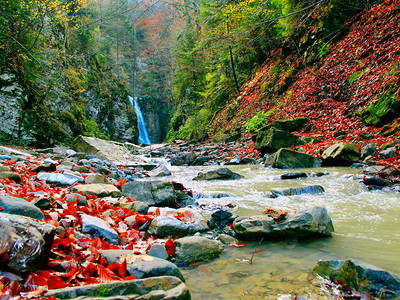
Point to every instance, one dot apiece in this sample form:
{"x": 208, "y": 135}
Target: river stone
{"x": 302, "y": 224}
{"x": 75, "y": 196}
{"x": 43, "y": 203}
{"x": 158, "y": 251}
{"x": 368, "y": 150}
{"x": 341, "y": 154}
{"x": 160, "y": 288}
{"x": 27, "y": 242}
{"x": 274, "y": 139}
{"x": 99, "y": 190}
{"x": 99, "y": 227}
{"x": 219, "y": 174}
{"x": 19, "y": 206}
{"x": 61, "y": 179}
{"x": 290, "y": 125}
{"x": 312, "y": 189}
{"x": 167, "y": 225}
{"x": 12, "y": 176}
{"x": 50, "y": 167}
{"x": 290, "y": 159}
{"x": 176, "y": 161}
{"x": 160, "y": 171}
{"x": 153, "y": 193}
{"x": 140, "y": 207}
{"x": 294, "y": 176}
{"x": 143, "y": 266}
{"x": 5, "y": 169}
{"x": 359, "y": 276}
{"x": 104, "y": 150}
{"x": 196, "y": 248}
{"x": 95, "y": 178}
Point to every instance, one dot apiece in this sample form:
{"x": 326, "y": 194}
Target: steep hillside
{"x": 346, "y": 88}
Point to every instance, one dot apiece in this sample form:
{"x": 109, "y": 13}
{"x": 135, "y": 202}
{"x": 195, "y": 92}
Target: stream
{"x": 366, "y": 229}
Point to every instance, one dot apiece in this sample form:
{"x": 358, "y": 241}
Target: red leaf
{"x": 122, "y": 270}
{"x": 1, "y": 208}
{"x": 4, "y": 257}
{"x": 130, "y": 278}
{"x": 170, "y": 247}
{"x": 235, "y": 244}
{"x": 122, "y": 182}
{"x": 34, "y": 279}
{"x": 15, "y": 289}
{"x": 106, "y": 275}
{"x": 55, "y": 282}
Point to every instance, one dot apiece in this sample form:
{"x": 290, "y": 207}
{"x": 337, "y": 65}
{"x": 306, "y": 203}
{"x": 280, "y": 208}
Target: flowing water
{"x": 366, "y": 229}
{"x": 143, "y": 134}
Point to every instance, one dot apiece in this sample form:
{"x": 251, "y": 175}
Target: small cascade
{"x": 143, "y": 134}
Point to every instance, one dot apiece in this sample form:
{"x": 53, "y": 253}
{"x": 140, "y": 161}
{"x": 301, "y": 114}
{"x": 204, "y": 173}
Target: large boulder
{"x": 164, "y": 287}
{"x": 26, "y": 242}
{"x": 97, "y": 189}
{"x": 178, "y": 223}
{"x": 19, "y": 206}
{"x": 153, "y": 193}
{"x": 360, "y": 276}
{"x": 341, "y": 154}
{"x": 290, "y": 125}
{"x": 306, "y": 223}
{"x": 196, "y": 248}
{"x": 273, "y": 139}
{"x": 142, "y": 266}
{"x": 219, "y": 174}
{"x": 290, "y": 159}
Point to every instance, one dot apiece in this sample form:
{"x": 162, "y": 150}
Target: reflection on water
{"x": 366, "y": 228}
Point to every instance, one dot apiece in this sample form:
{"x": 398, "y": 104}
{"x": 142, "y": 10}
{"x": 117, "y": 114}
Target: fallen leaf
{"x": 235, "y": 244}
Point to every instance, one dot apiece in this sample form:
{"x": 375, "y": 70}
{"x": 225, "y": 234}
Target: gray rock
{"x": 51, "y": 167}
{"x": 158, "y": 251}
{"x": 310, "y": 222}
{"x": 290, "y": 159}
{"x": 341, "y": 154}
{"x": 290, "y": 125}
{"x": 176, "y": 161}
{"x": 43, "y": 203}
{"x": 195, "y": 248}
{"x": 153, "y": 193}
{"x": 160, "y": 171}
{"x": 219, "y": 174}
{"x": 142, "y": 266}
{"x": 273, "y": 139}
{"x": 12, "y": 176}
{"x": 60, "y": 178}
{"x": 169, "y": 226}
{"x": 19, "y": 206}
{"x": 95, "y": 178}
{"x": 99, "y": 227}
{"x": 388, "y": 153}
{"x": 160, "y": 288}
{"x": 99, "y": 190}
{"x": 312, "y": 189}
{"x": 27, "y": 242}
{"x": 360, "y": 276}
{"x": 367, "y": 150}
{"x": 140, "y": 207}
{"x": 81, "y": 199}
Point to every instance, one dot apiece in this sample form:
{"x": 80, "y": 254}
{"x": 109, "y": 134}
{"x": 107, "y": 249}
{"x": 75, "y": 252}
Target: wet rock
{"x": 307, "y": 223}
{"x": 12, "y": 176}
{"x": 168, "y": 224}
{"x": 176, "y": 161}
{"x": 99, "y": 190}
{"x": 201, "y": 160}
{"x": 293, "y": 176}
{"x": 219, "y": 174}
{"x": 19, "y": 206}
{"x": 153, "y": 193}
{"x": 76, "y": 197}
{"x": 222, "y": 218}
{"x": 312, "y": 189}
{"x": 95, "y": 178}
{"x": 27, "y": 242}
{"x": 360, "y": 276}
{"x": 61, "y": 179}
{"x": 142, "y": 266}
{"x": 164, "y": 287}
{"x": 248, "y": 161}
{"x": 99, "y": 227}
{"x": 368, "y": 150}
{"x": 341, "y": 154}
{"x": 160, "y": 171}
{"x": 195, "y": 248}
{"x": 273, "y": 139}
{"x": 189, "y": 158}
{"x": 290, "y": 159}
{"x": 374, "y": 181}
{"x": 43, "y": 203}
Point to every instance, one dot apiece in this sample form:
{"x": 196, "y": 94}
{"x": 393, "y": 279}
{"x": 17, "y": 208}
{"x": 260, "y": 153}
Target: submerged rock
{"x": 312, "y": 189}
{"x": 26, "y": 241}
{"x": 360, "y": 276}
{"x": 164, "y": 287}
{"x": 195, "y": 248}
{"x": 219, "y": 174}
{"x": 302, "y": 224}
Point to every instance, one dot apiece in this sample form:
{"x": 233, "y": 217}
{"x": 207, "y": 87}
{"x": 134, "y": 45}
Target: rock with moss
{"x": 196, "y": 248}
{"x": 360, "y": 276}
{"x": 341, "y": 154}
{"x": 163, "y": 287}
{"x": 290, "y": 159}
{"x": 302, "y": 224}
{"x": 271, "y": 140}
{"x": 99, "y": 190}
{"x": 290, "y": 125}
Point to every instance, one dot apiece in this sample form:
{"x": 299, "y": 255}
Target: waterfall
{"x": 143, "y": 135}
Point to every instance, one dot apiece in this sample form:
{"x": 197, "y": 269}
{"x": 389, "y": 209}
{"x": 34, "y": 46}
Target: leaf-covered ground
{"x": 348, "y": 77}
